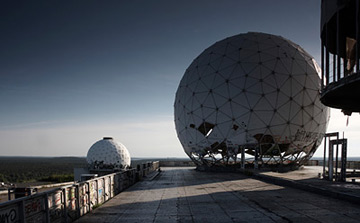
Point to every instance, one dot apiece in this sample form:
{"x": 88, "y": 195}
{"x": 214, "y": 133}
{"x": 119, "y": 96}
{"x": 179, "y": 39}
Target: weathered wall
{"x": 68, "y": 203}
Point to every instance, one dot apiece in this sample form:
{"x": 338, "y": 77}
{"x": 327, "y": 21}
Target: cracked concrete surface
{"x": 186, "y": 195}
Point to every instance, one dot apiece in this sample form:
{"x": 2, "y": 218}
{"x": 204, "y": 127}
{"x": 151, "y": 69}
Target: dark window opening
{"x": 205, "y": 128}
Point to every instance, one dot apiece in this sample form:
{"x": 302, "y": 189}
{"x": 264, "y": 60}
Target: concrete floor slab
{"x": 186, "y": 195}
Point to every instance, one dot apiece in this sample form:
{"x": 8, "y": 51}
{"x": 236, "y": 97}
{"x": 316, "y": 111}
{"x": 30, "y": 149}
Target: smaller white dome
{"x": 108, "y": 154}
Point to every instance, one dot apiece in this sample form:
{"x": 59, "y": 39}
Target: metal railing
{"x": 339, "y": 49}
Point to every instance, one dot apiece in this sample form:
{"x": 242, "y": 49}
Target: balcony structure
{"x": 340, "y": 55}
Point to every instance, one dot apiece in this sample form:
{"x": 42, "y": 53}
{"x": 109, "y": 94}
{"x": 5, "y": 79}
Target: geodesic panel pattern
{"x": 255, "y": 92}
{"x": 108, "y": 154}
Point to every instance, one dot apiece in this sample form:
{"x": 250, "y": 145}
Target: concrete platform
{"x": 185, "y": 195}
{"x": 308, "y": 179}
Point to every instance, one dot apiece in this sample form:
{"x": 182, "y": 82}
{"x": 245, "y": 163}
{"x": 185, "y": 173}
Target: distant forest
{"x": 50, "y": 169}
{"x": 29, "y": 169}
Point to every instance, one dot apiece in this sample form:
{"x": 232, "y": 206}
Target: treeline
{"x": 59, "y": 178}
{"x": 28, "y": 169}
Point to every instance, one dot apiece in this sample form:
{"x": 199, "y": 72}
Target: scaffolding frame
{"x": 330, "y": 164}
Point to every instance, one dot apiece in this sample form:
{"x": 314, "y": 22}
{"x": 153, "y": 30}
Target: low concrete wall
{"x": 176, "y": 163}
{"x": 349, "y": 164}
{"x": 166, "y": 163}
{"x": 68, "y": 203}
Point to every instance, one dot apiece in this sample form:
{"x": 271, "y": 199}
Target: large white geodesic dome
{"x": 254, "y": 92}
{"x": 108, "y": 154}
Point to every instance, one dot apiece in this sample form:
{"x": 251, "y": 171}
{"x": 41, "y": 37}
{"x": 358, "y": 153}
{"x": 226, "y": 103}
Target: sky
{"x": 72, "y": 72}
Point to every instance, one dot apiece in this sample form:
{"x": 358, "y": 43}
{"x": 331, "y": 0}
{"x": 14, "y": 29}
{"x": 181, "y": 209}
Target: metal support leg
{"x": 337, "y": 160}
{"x": 324, "y": 162}
{"x": 343, "y": 161}
{"x": 242, "y": 158}
{"x": 331, "y": 161}
{"x": 256, "y": 164}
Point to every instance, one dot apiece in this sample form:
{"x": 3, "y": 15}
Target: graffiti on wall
{"x": 93, "y": 193}
{"x": 305, "y": 136}
{"x": 71, "y": 205}
{"x": 70, "y": 193}
{"x": 9, "y": 214}
{"x": 83, "y": 189}
{"x": 34, "y": 206}
{"x": 55, "y": 199}
{"x": 106, "y": 188}
{"x": 88, "y": 193}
